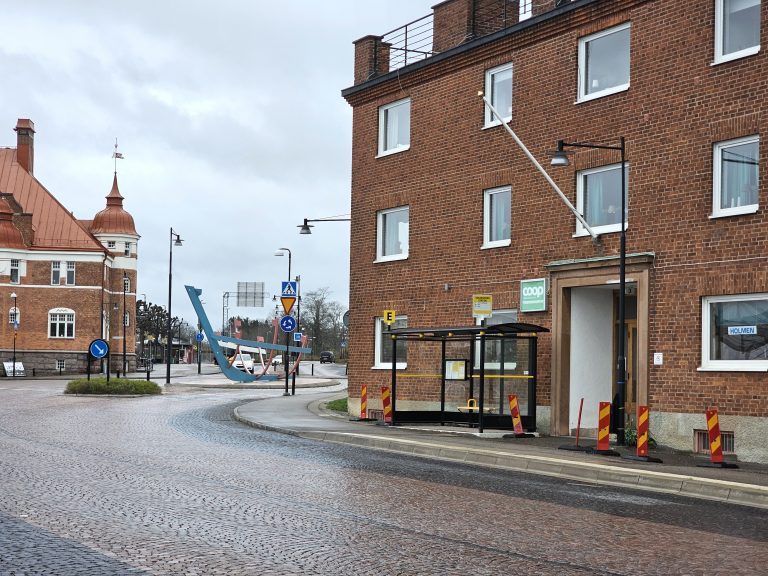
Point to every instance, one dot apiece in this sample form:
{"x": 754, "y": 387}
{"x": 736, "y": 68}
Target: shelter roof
{"x": 468, "y": 332}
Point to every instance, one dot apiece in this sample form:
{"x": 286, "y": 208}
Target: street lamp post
{"x": 306, "y": 227}
{"x": 281, "y": 252}
{"x": 175, "y": 240}
{"x": 15, "y": 330}
{"x": 125, "y": 316}
{"x": 560, "y": 158}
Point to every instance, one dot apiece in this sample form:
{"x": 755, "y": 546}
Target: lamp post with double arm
{"x": 560, "y": 158}
{"x": 175, "y": 240}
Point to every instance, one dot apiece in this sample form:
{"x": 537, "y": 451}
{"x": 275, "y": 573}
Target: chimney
{"x": 25, "y": 144}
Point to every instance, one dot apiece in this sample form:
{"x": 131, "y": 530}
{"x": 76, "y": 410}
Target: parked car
{"x": 327, "y": 357}
{"x": 243, "y": 362}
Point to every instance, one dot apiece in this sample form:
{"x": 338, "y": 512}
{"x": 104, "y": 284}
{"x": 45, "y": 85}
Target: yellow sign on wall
{"x": 482, "y": 305}
{"x": 389, "y": 317}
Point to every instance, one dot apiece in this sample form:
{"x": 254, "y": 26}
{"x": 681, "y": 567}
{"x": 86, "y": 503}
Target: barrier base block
{"x": 643, "y": 458}
{"x": 353, "y": 419}
{"x": 602, "y": 452}
{"x": 717, "y": 465}
{"x": 574, "y": 448}
{"x": 521, "y": 435}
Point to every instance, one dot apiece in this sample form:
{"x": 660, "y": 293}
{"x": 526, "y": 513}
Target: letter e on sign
{"x": 389, "y": 317}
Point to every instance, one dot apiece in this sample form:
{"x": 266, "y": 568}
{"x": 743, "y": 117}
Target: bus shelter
{"x": 480, "y": 366}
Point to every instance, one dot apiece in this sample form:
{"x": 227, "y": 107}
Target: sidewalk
{"x": 306, "y": 416}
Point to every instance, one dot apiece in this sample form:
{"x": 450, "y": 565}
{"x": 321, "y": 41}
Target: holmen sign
{"x": 533, "y": 295}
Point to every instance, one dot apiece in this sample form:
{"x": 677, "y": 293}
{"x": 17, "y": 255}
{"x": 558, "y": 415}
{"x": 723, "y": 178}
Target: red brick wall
{"x": 677, "y": 106}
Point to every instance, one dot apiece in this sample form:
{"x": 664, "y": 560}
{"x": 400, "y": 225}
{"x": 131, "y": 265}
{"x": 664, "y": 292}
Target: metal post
{"x": 199, "y": 345}
{"x": 125, "y": 277}
{"x": 442, "y": 383}
{"x": 481, "y": 403}
{"x": 170, "y": 287}
{"x": 15, "y": 330}
{"x": 394, "y": 376}
{"x": 621, "y": 380}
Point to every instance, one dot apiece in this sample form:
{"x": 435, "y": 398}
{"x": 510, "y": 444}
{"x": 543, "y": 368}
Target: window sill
{"x": 607, "y": 92}
{"x": 489, "y": 125}
{"x": 391, "y": 258}
{"x": 398, "y": 366}
{"x": 599, "y": 230}
{"x": 736, "y": 55}
{"x": 497, "y": 244}
{"x": 393, "y": 151}
{"x": 763, "y": 368}
{"x": 741, "y": 211}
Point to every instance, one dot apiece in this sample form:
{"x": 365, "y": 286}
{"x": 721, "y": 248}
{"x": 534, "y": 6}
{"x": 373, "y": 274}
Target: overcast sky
{"x": 229, "y": 116}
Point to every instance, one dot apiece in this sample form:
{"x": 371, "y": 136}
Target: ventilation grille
{"x": 701, "y": 442}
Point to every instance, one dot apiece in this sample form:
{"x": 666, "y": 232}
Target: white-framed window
{"x": 61, "y": 364}
{"x": 111, "y": 244}
{"x": 71, "y": 273}
{"x": 14, "y": 271}
{"x": 127, "y": 250}
{"x": 126, "y": 319}
{"x": 61, "y": 323}
{"x": 494, "y": 351}
{"x": 604, "y": 63}
{"x": 392, "y": 234}
{"x": 598, "y": 199}
{"x": 126, "y": 284}
{"x": 55, "y": 272}
{"x": 14, "y": 315}
{"x": 526, "y": 9}
{"x": 395, "y": 127}
{"x": 737, "y": 29}
{"x": 736, "y": 177}
{"x": 498, "y": 89}
{"x": 383, "y": 350}
{"x": 735, "y": 332}
{"x": 497, "y": 217}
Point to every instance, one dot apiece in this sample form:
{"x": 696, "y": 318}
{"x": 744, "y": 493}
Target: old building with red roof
{"x": 63, "y": 282}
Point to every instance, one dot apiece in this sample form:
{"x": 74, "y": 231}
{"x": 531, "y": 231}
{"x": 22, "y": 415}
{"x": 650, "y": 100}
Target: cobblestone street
{"x": 173, "y": 485}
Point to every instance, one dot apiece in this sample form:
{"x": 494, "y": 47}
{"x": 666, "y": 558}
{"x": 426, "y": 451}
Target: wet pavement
{"x": 173, "y": 484}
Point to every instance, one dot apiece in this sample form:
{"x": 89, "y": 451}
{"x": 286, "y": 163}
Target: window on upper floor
{"x": 383, "y": 351}
{"x": 55, "y": 272}
{"x": 735, "y": 332}
{"x": 737, "y": 29}
{"x": 127, "y": 250}
{"x": 61, "y": 323}
{"x": 736, "y": 177}
{"x": 126, "y": 284}
{"x": 14, "y": 271}
{"x": 392, "y": 234}
{"x": 126, "y": 319}
{"x": 111, "y": 244}
{"x": 14, "y": 315}
{"x": 526, "y": 9}
{"x": 71, "y": 273}
{"x": 395, "y": 127}
{"x": 598, "y": 199}
{"x": 604, "y": 63}
{"x": 498, "y": 88}
{"x": 497, "y": 217}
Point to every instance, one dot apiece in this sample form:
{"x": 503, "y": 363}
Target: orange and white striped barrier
{"x": 642, "y": 437}
{"x": 514, "y": 410}
{"x": 715, "y": 442}
{"x": 386, "y": 402}
{"x": 364, "y": 402}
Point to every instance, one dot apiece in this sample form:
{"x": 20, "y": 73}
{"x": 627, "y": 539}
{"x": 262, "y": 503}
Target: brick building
{"x": 64, "y": 281}
{"x": 446, "y": 205}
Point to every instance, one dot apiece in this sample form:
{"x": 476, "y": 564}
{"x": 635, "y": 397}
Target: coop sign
{"x": 742, "y": 330}
{"x": 533, "y": 295}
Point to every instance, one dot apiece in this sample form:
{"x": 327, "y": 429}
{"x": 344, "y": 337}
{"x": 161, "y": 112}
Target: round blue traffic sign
{"x": 199, "y": 336}
{"x": 99, "y": 348}
{"x": 287, "y": 323}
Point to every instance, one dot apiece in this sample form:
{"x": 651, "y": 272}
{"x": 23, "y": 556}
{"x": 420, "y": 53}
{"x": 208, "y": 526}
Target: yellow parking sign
{"x": 389, "y": 317}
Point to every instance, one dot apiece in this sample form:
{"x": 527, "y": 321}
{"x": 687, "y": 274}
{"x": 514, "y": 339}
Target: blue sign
{"x": 289, "y": 289}
{"x": 199, "y": 336}
{"x": 297, "y": 336}
{"x": 99, "y": 348}
{"x": 287, "y": 323}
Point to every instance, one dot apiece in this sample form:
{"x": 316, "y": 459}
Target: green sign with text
{"x": 533, "y": 295}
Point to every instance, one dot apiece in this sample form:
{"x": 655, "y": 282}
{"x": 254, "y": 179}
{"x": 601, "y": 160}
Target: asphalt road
{"x": 173, "y": 485}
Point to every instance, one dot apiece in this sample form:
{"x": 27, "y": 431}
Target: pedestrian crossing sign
{"x": 289, "y": 289}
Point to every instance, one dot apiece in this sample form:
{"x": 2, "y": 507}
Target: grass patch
{"x": 339, "y": 405}
{"x": 114, "y": 386}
